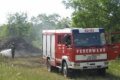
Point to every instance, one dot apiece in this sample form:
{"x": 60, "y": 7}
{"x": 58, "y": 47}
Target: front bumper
{"x": 88, "y": 65}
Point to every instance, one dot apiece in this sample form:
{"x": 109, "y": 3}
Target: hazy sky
{"x": 32, "y": 7}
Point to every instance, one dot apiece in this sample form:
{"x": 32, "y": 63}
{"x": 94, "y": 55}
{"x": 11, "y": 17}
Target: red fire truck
{"x": 72, "y": 49}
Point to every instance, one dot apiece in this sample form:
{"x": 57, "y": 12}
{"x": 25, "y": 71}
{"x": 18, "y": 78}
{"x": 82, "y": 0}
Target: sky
{"x": 33, "y": 8}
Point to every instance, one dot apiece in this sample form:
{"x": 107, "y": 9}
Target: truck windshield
{"x": 89, "y": 39}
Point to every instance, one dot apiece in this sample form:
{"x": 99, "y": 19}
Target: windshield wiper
{"x": 90, "y": 46}
{"x": 96, "y": 46}
{"x": 82, "y": 46}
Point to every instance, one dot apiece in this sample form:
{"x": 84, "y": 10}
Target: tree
{"x": 43, "y": 21}
{"x": 64, "y": 23}
{"x": 4, "y": 30}
{"x": 46, "y": 21}
{"x": 95, "y": 13}
{"x": 18, "y": 25}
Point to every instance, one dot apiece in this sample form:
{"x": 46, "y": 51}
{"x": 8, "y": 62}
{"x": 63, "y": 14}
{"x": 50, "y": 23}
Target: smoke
{"x": 6, "y": 53}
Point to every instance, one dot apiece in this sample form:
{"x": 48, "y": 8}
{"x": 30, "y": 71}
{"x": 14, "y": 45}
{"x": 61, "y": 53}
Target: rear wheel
{"x": 49, "y": 66}
{"x": 118, "y": 57}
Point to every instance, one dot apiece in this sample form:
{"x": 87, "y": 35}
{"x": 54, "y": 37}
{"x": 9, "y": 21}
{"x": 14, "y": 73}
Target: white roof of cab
{"x": 66, "y": 30}
{"x": 69, "y": 30}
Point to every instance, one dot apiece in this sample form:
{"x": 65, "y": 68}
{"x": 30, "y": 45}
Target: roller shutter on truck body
{"x": 48, "y": 45}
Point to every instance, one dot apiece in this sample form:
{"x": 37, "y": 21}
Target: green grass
{"x": 34, "y": 69}
{"x": 26, "y": 69}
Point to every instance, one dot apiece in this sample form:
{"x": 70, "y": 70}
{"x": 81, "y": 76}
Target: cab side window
{"x": 67, "y": 39}
{"x": 59, "y": 39}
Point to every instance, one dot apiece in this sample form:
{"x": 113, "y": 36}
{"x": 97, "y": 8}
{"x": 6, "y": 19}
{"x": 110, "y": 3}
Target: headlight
{"x": 106, "y": 62}
{"x": 76, "y": 64}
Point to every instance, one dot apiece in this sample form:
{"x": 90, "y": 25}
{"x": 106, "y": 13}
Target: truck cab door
{"x": 68, "y": 44}
{"x": 113, "y": 46}
{"x": 59, "y": 47}
{"x": 113, "y": 51}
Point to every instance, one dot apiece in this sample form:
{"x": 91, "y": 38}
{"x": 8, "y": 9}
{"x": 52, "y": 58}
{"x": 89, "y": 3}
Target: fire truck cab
{"x": 76, "y": 49}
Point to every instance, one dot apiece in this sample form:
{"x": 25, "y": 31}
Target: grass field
{"x": 32, "y": 68}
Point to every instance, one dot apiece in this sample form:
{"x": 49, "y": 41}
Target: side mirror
{"x": 112, "y": 39}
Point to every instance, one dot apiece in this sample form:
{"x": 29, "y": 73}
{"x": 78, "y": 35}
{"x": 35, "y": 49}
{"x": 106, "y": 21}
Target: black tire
{"x": 65, "y": 70}
{"x": 49, "y": 67}
{"x": 118, "y": 57}
{"x": 101, "y": 72}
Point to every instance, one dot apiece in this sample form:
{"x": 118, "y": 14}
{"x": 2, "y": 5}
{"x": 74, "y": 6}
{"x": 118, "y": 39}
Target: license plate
{"x": 92, "y": 57}
{"x": 92, "y": 67}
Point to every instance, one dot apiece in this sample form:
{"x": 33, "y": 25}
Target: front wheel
{"x": 101, "y": 72}
{"x": 65, "y": 70}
